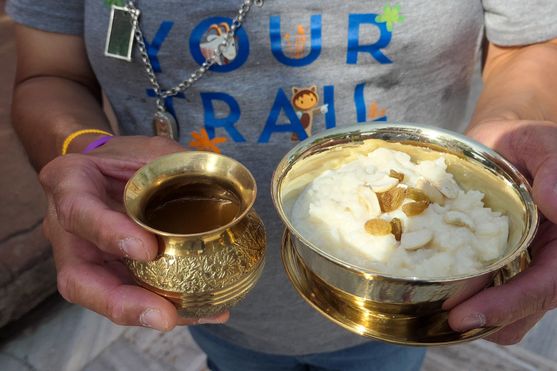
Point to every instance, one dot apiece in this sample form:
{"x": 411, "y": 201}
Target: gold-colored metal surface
{"x": 404, "y": 310}
{"x": 400, "y": 324}
{"x": 202, "y": 273}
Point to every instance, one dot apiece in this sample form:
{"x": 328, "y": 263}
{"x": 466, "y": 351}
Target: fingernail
{"x": 133, "y": 248}
{"x": 472, "y": 321}
{"x": 211, "y": 321}
{"x": 152, "y": 318}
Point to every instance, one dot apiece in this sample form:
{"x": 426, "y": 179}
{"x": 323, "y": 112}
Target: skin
{"x": 56, "y": 94}
{"x": 517, "y": 116}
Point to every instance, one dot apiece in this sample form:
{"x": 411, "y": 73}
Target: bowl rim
{"x": 181, "y": 156}
{"x": 356, "y": 132}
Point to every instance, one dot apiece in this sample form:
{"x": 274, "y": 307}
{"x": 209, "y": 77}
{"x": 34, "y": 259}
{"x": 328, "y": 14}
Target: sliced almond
{"x": 383, "y": 184}
{"x": 369, "y": 200}
{"x": 396, "y": 228}
{"x": 415, "y": 240}
{"x": 448, "y": 188}
{"x": 430, "y": 191}
{"x": 416, "y": 194}
{"x": 378, "y": 227}
{"x": 459, "y": 219}
{"x": 391, "y": 200}
{"x": 395, "y": 174}
{"x": 415, "y": 208}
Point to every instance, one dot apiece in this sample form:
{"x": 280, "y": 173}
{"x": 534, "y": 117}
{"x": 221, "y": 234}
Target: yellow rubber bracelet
{"x": 75, "y": 134}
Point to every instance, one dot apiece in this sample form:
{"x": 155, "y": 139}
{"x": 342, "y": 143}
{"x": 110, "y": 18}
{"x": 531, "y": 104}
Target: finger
{"x": 143, "y": 149}
{"x": 214, "y": 320}
{"x": 532, "y": 146}
{"x": 545, "y": 187}
{"x": 85, "y": 280}
{"x": 119, "y": 168}
{"x": 515, "y": 332}
{"x": 546, "y": 236}
{"x": 111, "y": 231}
{"x": 77, "y": 190}
{"x": 105, "y": 289}
{"x": 98, "y": 289}
{"x": 531, "y": 292}
{"x": 53, "y": 231}
{"x": 524, "y": 143}
{"x": 115, "y": 190}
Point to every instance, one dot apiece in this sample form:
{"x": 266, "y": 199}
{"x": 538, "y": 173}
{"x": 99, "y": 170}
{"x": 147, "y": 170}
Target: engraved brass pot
{"x": 203, "y": 273}
{"x": 402, "y": 310}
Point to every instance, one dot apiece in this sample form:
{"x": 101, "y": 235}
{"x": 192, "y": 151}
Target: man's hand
{"x": 90, "y": 233}
{"x": 519, "y": 304}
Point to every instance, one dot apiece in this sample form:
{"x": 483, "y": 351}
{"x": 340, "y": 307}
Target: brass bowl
{"x": 203, "y": 273}
{"x": 401, "y": 310}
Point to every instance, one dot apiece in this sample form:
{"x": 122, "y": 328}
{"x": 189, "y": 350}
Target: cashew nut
{"x": 415, "y": 240}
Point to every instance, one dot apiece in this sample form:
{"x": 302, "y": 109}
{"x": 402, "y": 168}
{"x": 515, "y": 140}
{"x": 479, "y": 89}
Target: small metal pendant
{"x": 121, "y": 31}
{"x": 165, "y": 125}
{"x": 213, "y": 38}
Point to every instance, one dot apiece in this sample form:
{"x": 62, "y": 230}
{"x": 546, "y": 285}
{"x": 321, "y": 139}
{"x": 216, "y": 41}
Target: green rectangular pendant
{"x": 121, "y": 32}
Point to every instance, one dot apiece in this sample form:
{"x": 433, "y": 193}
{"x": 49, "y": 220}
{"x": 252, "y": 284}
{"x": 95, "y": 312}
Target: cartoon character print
{"x": 216, "y": 35}
{"x": 306, "y": 103}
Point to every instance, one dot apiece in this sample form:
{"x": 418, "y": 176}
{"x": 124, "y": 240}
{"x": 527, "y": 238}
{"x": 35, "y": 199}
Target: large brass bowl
{"x": 402, "y": 310}
{"x": 203, "y": 273}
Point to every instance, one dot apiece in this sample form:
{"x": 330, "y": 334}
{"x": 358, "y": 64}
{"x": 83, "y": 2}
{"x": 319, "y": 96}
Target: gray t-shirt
{"x": 409, "y": 61}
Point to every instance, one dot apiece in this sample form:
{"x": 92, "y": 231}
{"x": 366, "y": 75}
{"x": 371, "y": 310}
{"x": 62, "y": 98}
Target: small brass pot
{"x": 203, "y": 273}
{"x": 402, "y": 310}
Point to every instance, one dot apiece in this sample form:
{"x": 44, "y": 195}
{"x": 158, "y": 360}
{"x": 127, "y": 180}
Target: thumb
{"x": 545, "y": 186}
{"x": 529, "y": 293}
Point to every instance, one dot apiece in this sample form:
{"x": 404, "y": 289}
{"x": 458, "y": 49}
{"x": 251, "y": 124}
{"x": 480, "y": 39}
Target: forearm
{"x": 519, "y": 84}
{"x": 46, "y": 110}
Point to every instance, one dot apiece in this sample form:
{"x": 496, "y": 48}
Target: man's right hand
{"x": 90, "y": 233}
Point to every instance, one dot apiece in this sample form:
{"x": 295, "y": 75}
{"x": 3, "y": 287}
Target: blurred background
{"x": 40, "y": 331}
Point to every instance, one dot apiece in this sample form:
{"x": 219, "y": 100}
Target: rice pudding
{"x": 382, "y": 211}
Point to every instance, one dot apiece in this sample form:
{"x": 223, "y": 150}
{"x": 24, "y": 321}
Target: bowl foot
{"x": 349, "y": 312}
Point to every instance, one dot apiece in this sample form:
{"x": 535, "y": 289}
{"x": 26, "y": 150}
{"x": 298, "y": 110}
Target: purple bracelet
{"x": 97, "y": 143}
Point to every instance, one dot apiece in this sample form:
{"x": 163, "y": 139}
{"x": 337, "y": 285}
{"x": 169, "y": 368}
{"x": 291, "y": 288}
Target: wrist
{"x": 82, "y": 140}
{"x": 96, "y": 144}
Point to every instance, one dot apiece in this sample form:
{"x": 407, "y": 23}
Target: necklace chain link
{"x": 202, "y": 70}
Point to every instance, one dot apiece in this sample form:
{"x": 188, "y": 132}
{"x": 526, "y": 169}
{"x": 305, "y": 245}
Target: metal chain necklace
{"x": 163, "y": 122}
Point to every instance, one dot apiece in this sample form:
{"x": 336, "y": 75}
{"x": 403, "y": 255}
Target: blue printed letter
{"x": 360, "y": 102}
{"x": 354, "y": 47}
{"x": 276, "y": 43}
{"x": 154, "y": 47}
{"x": 212, "y": 122}
{"x": 329, "y": 100}
{"x": 271, "y": 126}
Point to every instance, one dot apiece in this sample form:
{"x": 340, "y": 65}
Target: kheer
{"x": 385, "y": 212}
